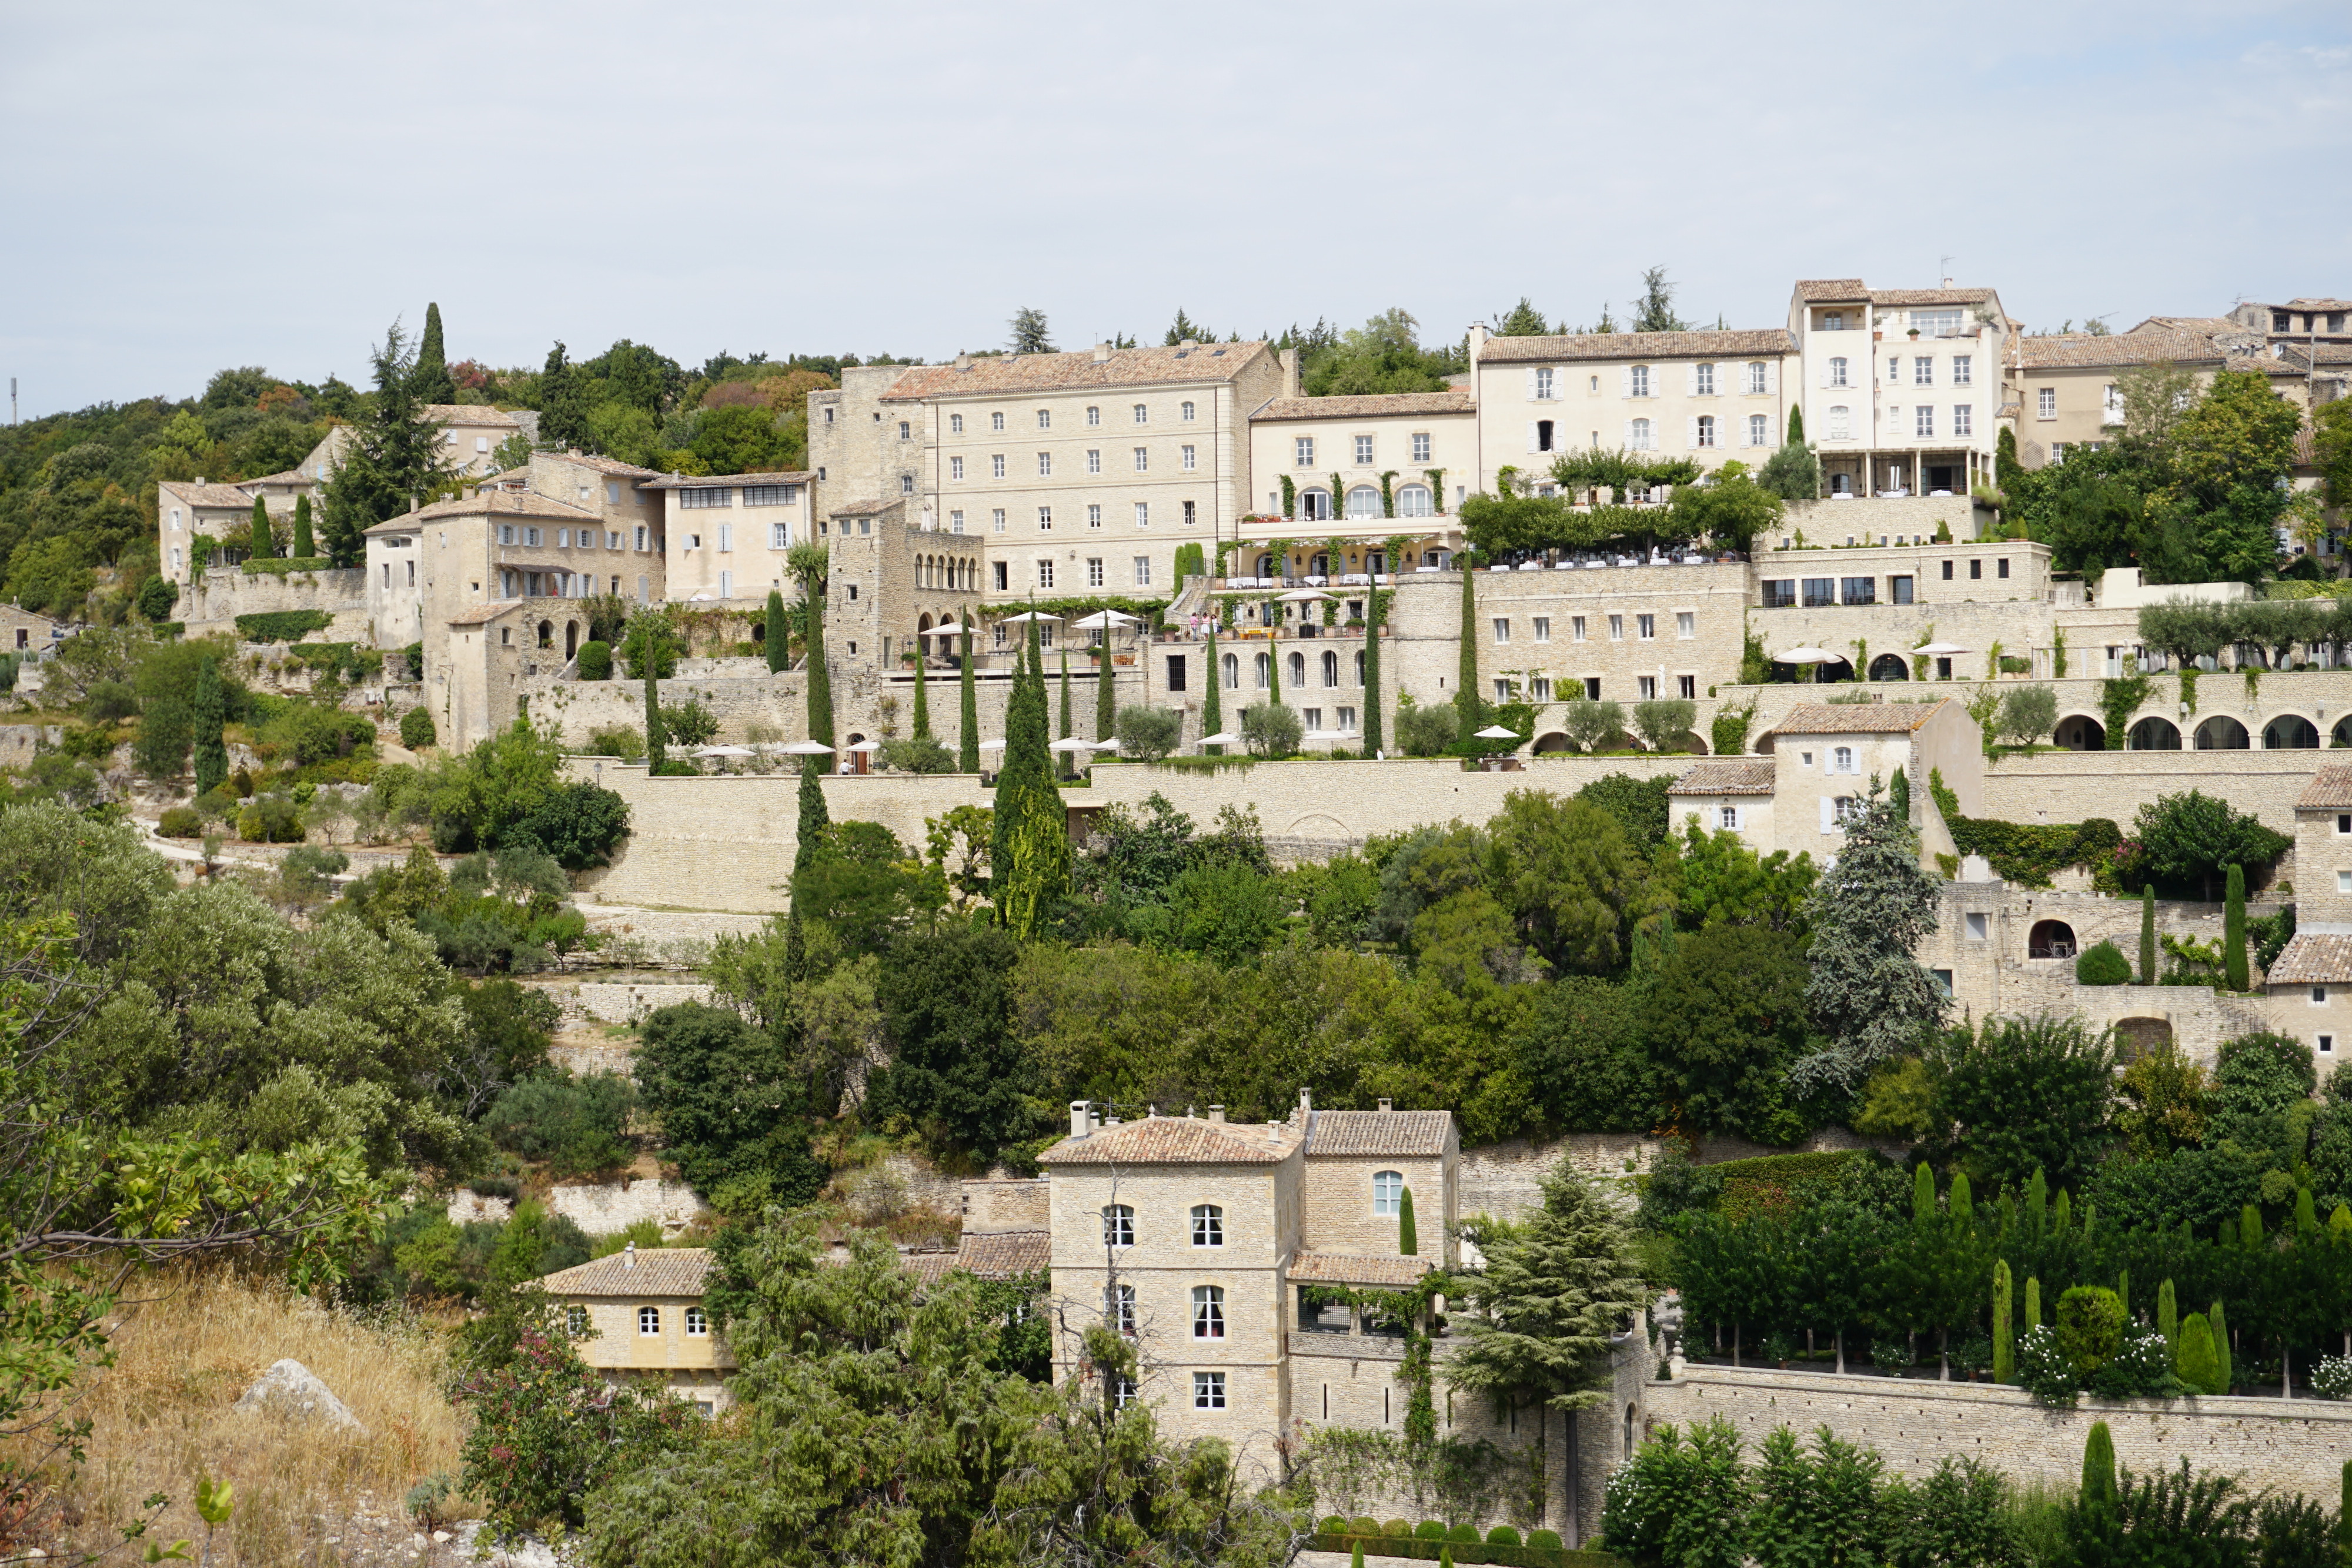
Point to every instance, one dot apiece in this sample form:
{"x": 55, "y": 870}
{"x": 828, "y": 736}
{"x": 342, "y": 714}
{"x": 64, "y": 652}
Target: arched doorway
{"x": 2136, "y": 1038}
{"x": 1889, "y": 667}
{"x": 571, "y": 639}
{"x": 2290, "y": 732}
{"x": 1315, "y": 505}
{"x": 547, "y": 634}
{"x": 1835, "y": 670}
{"x": 854, "y": 761}
{"x": 2050, "y": 939}
{"x": 1550, "y": 741}
{"x": 2154, "y": 735}
{"x": 2342, "y": 735}
{"x": 2079, "y": 732}
{"x": 2223, "y": 733}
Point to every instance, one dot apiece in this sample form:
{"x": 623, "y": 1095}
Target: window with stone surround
{"x": 1207, "y": 1225}
{"x": 1208, "y": 1311}
{"x": 1119, "y": 1225}
{"x": 1208, "y": 1390}
{"x": 1388, "y": 1192}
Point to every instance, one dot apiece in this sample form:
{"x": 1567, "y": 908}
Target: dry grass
{"x": 161, "y": 1418}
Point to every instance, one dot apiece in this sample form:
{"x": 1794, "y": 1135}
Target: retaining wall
{"x": 600, "y": 1210}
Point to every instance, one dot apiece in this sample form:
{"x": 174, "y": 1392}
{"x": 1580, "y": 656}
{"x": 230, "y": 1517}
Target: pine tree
{"x": 391, "y": 460}
{"x": 1375, "y": 731}
{"x": 306, "y": 545}
{"x": 1106, "y": 691}
{"x": 1465, "y": 699}
{"x": 2225, "y": 1373}
{"x": 2004, "y": 1348}
{"x": 264, "y": 543}
{"x": 562, "y": 405}
{"x": 2233, "y": 932}
{"x": 1868, "y": 993}
{"x": 1069, "y": 758}
{"x": 1029, "y": 333}
{"x": 776, "y": 634}
{"x": 2147, "y": 935}
{"x": 1408, "y": 1234}
{"x": 1213, "y": 711}
{"x": 210, "y": 715}
{"x": 968, "y": 713}
{"x": 1029, "y": 852}
{"x": 431, "y": 378}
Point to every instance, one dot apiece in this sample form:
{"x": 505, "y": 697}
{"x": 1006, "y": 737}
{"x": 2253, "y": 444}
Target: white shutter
{"x": 1531, "y": 435}
{"x": 1628, "y": 440}
{"x": 1531, "y": 392}
{"x": 1690, "y": 380}
{"x": 1624, "y": 381}
{"x": 1771, "y": 375}
{"x": 1826, "y": 808}
{"x": 1690, "y": 432}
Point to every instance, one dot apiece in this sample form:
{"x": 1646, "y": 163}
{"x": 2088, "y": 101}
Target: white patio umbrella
{"x": 727, "y": 751}
{"x": 1301, "y": 596}
{"x": 807, "y": 749}
{"x": 1104, "y": 620}
{"x": 1496, "y": 732}
{"x": 1220, "y": 739}
{"x": 1030, "y": 615}
{"x": 1942, "y": 650}
{"x": 868, "y": 746}
{"x": 992, "y": 746}
{"x": 1805, "y": 656}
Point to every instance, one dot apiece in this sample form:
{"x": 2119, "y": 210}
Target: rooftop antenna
{"x": 12, "y": 401}
{"x": 1944, "y": 269}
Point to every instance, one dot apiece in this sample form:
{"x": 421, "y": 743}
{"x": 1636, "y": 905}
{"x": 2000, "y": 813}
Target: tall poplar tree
{"x": 210, "y": 715}
{"x": 806, "y": 562}
{"x": 306, "y": 543}
{"x": 968, "y": 711}
{"x": 392, "y": 459}
{"x": 1465, "y": 670}
{"x": 776, "y": 634}
{"x": 431, "y": 378}
{"x": 1029, "y": 852}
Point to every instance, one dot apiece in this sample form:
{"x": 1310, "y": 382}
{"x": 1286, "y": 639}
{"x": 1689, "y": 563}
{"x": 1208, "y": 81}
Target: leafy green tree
{"x": 1556, "y": 1286}
{"x": 393, "y": 459}
{"x": 1730, "y": 508}
{"x": 2185, "y": 840}
{"x": 1724, "y": 1019}
{"x": 1470, "y": 713}
{"x": 1816, "y": 1508}
{"x": 2332, "y": 446}
{"x": 1656, "y": 311}
{"x": 2240, "y": 435}
{"x": 1793, "y": 473}
{"x": 1147, "y": 734}
{"x": 1030, "y": 851}
{"x": 1714, "y": 879}
{"x": 576, "y": 1126}
{"x": 1582, "y": 1052}
{"x": 1028, "y": 332}
{"x": 956, "y": 1070}
{"x": 2103, "y": 964}
{"x": 1426, "y": 731}
{"x": 1570, "y": 879}
{"x": 1869, "y": 913}
{"x": 165, "y": 730}
{"x": 730, "y": 1102}
{"x": 306, "y": 545}
{"x": 2148, "y": 934}
{"x": 741, "y": 438}
{"x": 564, "y": 405}
{"x": 430, "y": 381}
{"x": 209, "y": 717}
{"x": 1271, "y": 729}
{"x": 2015, "y": 1096}
{"x": 579, "y": 823}
{"x": 1679, "y": 1501}
{"x": 860, "y": 888}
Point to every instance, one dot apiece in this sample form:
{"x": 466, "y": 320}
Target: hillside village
{"x": 1313, "y": 945}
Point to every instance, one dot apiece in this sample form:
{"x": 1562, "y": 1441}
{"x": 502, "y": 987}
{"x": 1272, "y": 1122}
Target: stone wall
{"x": 2291, "y": 1445}
{"x": 601, "y": 1210}
{"x": 2068, "y": 785}
{"x": 223, "y": 593}
{"x": 1501, "y": 1179}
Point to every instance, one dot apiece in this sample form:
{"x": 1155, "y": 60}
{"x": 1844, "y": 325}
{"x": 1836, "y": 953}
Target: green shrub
{"x": 1464, "y": 1534}
{"x": 2090, "y": 1322}
{"x": 270, "y": 820}
{"x": 181, "y": 822}
{"x": 577, "y": 823}
{"x": 1271, "y": 729}
{"x": 577, "y": 1125}
{"x": 1546, "y": 1538}
{"x": 1426, "y": 731}
{"x": 282, "y": 625}
{"x": 1147, "y": 734}
{"x": 1429, "y": 1529}
{"x": 689, "y": 724}
{"x": 615, "y": 740}
{"x": 1398, "y": 1528}
{"x": 1502, "y": 1535}
{"x": 595, "y": 661}
{"x": 2103, "y": 965}
{"x": 1363, "y": 1525}
{"x": 417, "y": 731}
{"x": 1332, "y": 1524}
{"x": 918, "y": 754}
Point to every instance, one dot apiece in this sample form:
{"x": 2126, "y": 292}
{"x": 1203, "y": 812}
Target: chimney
{"x": 1274, "y": 1135}
{"x": 1947, "y": 283}
{"x": 1102, "y": 353}
{"x": 1079, "y": 1119}
{"x": 1388, "y": 1104}
{"x": 1478, "y": 336}
{"x": 200, "y": 478}
{"x": 629, "y": 1256}
{"x": 1187, "y": 345}
{"x": 1306, "y": 1101}
{"x": 1217, "y": 1114}
{"x": 1289, "y": 358}
{"x": 963, "y": 361}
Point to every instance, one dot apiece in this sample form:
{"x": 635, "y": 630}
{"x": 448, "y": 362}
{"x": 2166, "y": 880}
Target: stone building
{"x": 1901, "y": 387}
{"x": 1361, "y": 463}
{"x": 650, "y": 1332}
{"x": 727, "y": 536}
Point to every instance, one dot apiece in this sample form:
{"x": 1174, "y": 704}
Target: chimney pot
{"x": 200, "y": 478}
{"x": 1079, "y": 1119}
{"x": 1217, "y": 1113}
{"x": 1102, "y": 352}
{"x": 1307, "y": 1099}
{"x": 1387, "y": 1105}
{"x": 629, "y": 1256}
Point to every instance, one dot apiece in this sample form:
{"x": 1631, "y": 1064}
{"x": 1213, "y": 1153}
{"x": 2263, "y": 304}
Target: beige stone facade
{"x": 727, "y": 536}
{"x": 1901, "y": 387}
{"x": 640, "y": 1324}
{"x": 1399, "y": 462}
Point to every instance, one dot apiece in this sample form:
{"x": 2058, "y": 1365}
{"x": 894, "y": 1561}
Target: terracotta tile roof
{"x": 1902, "y": 297}
{"x": 1857, "y": 718}
{"x": 2137, "y": 347}
{"x": 291, "y": 477}
{"x": 1636, "y": 346}
{"x": 931, "y": 1268}
{"x": 2310, "y": 959}
{"x": 1003, "y": 1254}
{"x": 2320, "y": 305}
{"x": 197, "y": 495}
{"x": 859, "y": 508}
{"x": 2264, "y": 365}
{"x": 470, "y": 413}
{"x": 1814, "y": 289}
{"x": 1014, "y": 374}
{"x": 1367, "y": 407}
{"x": 1339, "y": 1269}
{"x": 601, "y": 464}
{"x": 2330, "y": 789}
{"x": 654, "y": 1271}
{"x": 474, "y": 615}
{"x": 2191, "y": 324}
{"x": 507, "y": 504}
{"x": 1174, "y": 1140}
{"x": 1741, "y": 776}
{"x": 1379, "y": 1132}
{"x": 713, "y": 481}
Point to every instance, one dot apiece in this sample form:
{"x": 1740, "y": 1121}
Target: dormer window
{"x": 1388, "y": 1192}
{"x": 1208, "y": 1226}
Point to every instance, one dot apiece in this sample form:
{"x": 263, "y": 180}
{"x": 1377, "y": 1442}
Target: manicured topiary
{"x": 1333, "y": 1525}
{"x": 2197, "y": 1364}
{"x": 1398, "y": 1528}
{"x": 1545, "y": 1538}
{"x": 1361, "y": 1525}
{"x": 1429, "y": 1529}
{"x": 1467, "y": 1534}
{"x": 2103, "y": 965}
{"x": 1502, "y": 1535}
{"x": 595, "y": 661}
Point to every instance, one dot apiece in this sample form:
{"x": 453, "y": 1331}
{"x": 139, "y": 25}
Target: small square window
{"x": 1943, "y": 980}
{"x": 2318, "y": 995}
{"x": 1978, "y": 926}
{"x": 1208, "y": 1390}
{"x": 1543, "y": 628}
{"x": 697, "y": 1323}
{"x": 2344, "y": 821}
{"x": 996, "y": 422}
{"x": 2344, "y": 882}
{"x": 2326, "y": 1043}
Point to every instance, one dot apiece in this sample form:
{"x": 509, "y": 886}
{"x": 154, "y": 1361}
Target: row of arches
{"x": 958, "y": 573}
{"x": 1330, "y": 667}
{"x": 2288, "y": 732}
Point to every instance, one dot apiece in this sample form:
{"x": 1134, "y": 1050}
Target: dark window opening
{"x": 1543, "y": 435}
{"x": 1175, "y": 672}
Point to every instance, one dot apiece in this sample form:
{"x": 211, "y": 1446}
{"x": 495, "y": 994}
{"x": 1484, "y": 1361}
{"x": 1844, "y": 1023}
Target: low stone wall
{"x": 600, "y": 1210}
{"x": 2291, "y": 1445}
{"x": 2068, "y": 785}
{"x": 1503, "y": 1179}
{"x": 220, "y": 594}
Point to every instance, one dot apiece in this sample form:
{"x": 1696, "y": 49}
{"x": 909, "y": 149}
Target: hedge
{"x": 2027, "y": 852}
{"x": 1425, "y": 1551}
{"x": 1773, "y": 1181}
{"x": 282, "y": 625}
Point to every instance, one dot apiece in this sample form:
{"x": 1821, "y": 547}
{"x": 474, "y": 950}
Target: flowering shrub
{"x": 2333, "y": 1377}
{"x": 2044, "y": 1368}
{"x": 2139, "y": 1368}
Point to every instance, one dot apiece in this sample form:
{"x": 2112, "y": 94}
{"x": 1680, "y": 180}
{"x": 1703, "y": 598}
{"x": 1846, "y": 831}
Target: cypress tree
{"x": 2098, "y": 1520}
{"x": 1069, "y": 758}
{"x": 1029, "y": 852}
{"x": 211, "y": 714}
{"x": 814, "y": 817}
{"x": 2037, "y": 1201}
{"x": 807, "y": 563}
{"x": 2225, "y": 1373}
{"x": 1408, "y": 1235}
{"x": 1274, "y": 660}
{"x": 2123, "y": 1293}
{"x": 1466, "y": 700}
{"x": 2062, "y": 1213}
{"x": 1922, "y": 1192}
{"x": 2167, "y": 1316}
{"x": 1375, "y": 731}
{"x": 2233, "y": 932}
{"x": 2033, "y": 1302}
{"x": 1212, "y": 712}
{"x": 306, "y": 545}
{"x": 2343, "y": 1507}
{"x": 1796, "y": 426}
{"x": 263, "y": 544}
{"x": 430, "y": 382}
{"x": 1106, "y": 691}
{"x": 778, "y": 638}
{"x": 2148, "y": 934}
{"x": 656, "y": 738}
{"x": 1898, "y": 790}
{"x": 2004, "y": 1349}
{"x": 2196, "y": 1363}
{"x": 562, "y": 404}
{"x": 968, "y": 740}
{"x": 922, "y": 700}
{"x": 393, "y": 457}
{"x": 1355, "y": 1552}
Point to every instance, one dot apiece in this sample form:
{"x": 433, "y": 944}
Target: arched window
{"x": 1641, "y": 441}
{"x": 1363, "y": 501}
{"x": 1755, "y": 375}
{"x": 1888, "y": 667}
{"x": 1707, "y": 430}
{"x": 1119, "y": 1225}
{"x": 1297, "y": 670}
{"x": 2153, "y": 733}
{"x": 1232, "y": 672}
{"x": 1265, "y": 671}
{"x": 1265, "y": 566}
{"x": 1840, "y": 484}
{"x": 1412, "y": 501}
{"x": 2050, "y": 939}
{"x": 2290, "y": 732}
{"x": 1207, "y": 1225}
{"x": 1760, "y": 430}
{"x": 2221, "y": 733}
{"x": 649, "y": 1319}
{"x": 1330, "y": 669}
{"x": 698, "y": 1322}
{"x": 1837, "y": 372}
{"x": 1208, "y": 1311}
{"x": 1388, "y": 1192}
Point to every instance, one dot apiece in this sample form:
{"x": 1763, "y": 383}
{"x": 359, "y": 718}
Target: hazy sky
{"x": 194, "y": 186}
